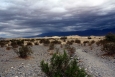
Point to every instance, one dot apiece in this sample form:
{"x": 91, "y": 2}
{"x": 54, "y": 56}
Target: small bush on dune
{"x": 91, "y": 42}
{"x": 69, "y": 42}
{"x": 62, "y": 66}
{"x": 56, "y": 42}
{"x": 85, "y": 42}
{"x": 29, "y": 44}
{"x": 77, "y": 41}
{"x": 36, "y": 43}
{"x": 89, "y": 37}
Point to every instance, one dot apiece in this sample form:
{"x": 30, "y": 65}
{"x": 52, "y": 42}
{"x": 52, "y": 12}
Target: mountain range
{"x": 80, "y": 33}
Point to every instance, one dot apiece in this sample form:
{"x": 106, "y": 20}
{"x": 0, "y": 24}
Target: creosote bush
{"x": 51, "y": 46}
{"x": 110, "y": 37}
{"x": 109, "y": 48}
{"x": 85, "y": 42}
{"x": 77, "y": 41}
{"x": 108, "y": 44}
{"x": 29, "y": 44}
{"x": 62, "y": 66}
{"x": 23, "y": 52}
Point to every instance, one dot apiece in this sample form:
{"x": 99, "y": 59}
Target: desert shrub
{"x": 8, "y": 48}
{"x": 77, "y": 41}
{"x": 110, "y": 37}
{"x": 89, "y": 37}
{"x": 69, "y": 42}
{"x": 100, "y": 42}
{"x": 63, "y": 38}
{"x": 56, "y": 42}
{"x": 85, "y": 42}
{"x": 62, "y": 66}
{"x": 51, "y": 46}
{"x": 91, "y": 42}
{"x": 71, "y": 51}
{"x": 2, "y": 44}
{"x": 109, "y": 48}
{"x": 23, "y": 52}
{"x": 29, "y": 44}
{"x": 36, "y": 43}
{"x": 45, "y": 42}
{"x": 20, "y": 42}
{"x": 32, "y": 40}
{"x": 14, "y": 44}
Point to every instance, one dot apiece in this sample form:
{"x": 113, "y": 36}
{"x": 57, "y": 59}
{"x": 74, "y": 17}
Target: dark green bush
{"x": 62, "y": 66}
{"x": 23, "y": 52}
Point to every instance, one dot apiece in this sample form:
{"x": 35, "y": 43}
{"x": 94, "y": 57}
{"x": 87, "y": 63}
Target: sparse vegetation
{"x": 14, "y": 44}
{"x": 85, "y": 42}
{"x": 29, "y": 44}
{"x": 23, "y": 52}
{"x": 89, "y": 37}
{"x": 51, "y": 46}
{"x": 77, "y": 41}
{"x": 62, "y": 66}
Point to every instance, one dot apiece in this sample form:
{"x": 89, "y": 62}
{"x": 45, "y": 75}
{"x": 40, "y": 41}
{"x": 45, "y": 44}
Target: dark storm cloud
{"x": 32, "y": 17}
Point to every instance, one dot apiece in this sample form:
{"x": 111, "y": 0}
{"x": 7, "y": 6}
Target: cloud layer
{"x": 20, "y": 18}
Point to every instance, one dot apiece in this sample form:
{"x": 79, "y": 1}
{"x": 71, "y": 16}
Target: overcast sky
{"x": 20, "y": 18}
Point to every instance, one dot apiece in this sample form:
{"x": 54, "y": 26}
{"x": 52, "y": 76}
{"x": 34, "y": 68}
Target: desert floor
{"x": 90, "y": 58}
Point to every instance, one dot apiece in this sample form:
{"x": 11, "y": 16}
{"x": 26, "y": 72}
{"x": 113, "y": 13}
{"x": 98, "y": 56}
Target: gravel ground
{"x": 94, "y": 63}
{"x": 12, "y": 66}
{"x": 91, "y": 60}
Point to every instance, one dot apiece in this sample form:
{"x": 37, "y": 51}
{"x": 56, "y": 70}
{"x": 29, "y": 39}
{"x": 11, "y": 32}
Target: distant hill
{"x": 80, "y": 33}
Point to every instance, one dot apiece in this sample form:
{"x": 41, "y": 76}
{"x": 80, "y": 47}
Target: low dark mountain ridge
{"x": 80, "y": 33}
